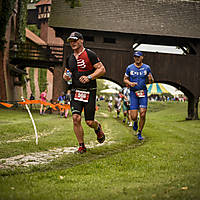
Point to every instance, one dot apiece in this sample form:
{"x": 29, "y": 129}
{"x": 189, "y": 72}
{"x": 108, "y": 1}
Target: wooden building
{"x": 111, "y": 29}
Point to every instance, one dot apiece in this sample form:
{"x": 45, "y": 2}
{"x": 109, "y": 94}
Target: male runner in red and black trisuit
{"x": 84, "y": 67}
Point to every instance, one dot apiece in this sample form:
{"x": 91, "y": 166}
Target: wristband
{"x": 89, "y": 77}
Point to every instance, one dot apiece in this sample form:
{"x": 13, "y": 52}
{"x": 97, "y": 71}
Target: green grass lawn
{"x": 164, "y": 166}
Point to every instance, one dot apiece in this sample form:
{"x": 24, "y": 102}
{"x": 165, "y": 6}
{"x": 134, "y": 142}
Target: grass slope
{"x": 164, "y": 166}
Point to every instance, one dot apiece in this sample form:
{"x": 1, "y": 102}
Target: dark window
{"x": 89, "y": 38}
{"x": 109, "y": 40}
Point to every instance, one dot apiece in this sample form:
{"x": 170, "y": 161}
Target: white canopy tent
{"x": 109, "y": 91}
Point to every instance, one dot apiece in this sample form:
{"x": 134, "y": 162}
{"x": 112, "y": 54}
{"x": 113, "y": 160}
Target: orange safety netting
{"x": 62, "y": 106}
{"x": 6, "y": 104}
{"x": 29, "y": 102}
{"x": 53, "y": 106}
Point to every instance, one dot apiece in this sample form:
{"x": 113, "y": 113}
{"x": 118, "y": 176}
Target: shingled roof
{"x": 34, "y": 38}
{"x": 178, "y": 18}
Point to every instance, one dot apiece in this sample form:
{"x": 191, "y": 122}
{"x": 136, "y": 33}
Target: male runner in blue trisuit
{"x": 135, "y": 76}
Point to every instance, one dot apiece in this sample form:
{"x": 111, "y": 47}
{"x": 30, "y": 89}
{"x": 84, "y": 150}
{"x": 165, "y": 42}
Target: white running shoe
{"x": 130, "y": 124}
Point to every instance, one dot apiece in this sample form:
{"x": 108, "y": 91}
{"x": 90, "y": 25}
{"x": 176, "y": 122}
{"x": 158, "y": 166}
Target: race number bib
{"x": 82, "y": 95}
{"x": 140, "y": 93}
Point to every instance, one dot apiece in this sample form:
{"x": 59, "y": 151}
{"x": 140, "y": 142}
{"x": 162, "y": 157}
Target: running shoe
{"x": 130, "y": 124}
{"x": 100, "y": 134}
{"x": 139, "y": 136}
{"x": 124, "y": 120}
{"x": 81, "y": 150}
{"x": 135, "y": 125}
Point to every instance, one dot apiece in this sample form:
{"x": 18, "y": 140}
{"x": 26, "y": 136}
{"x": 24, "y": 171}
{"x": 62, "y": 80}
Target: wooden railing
{"x": 28, "y": 53}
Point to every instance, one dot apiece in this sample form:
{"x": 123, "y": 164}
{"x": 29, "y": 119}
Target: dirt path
{"x": 43, "y": 157}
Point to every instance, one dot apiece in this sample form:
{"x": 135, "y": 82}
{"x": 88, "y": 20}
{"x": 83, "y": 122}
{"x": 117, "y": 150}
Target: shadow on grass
{"x": 186, "y": 120}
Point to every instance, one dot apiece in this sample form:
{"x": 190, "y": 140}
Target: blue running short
{"x": 138, "y": 102}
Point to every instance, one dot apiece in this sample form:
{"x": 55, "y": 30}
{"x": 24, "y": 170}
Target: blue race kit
{"x": 138, "y": 93}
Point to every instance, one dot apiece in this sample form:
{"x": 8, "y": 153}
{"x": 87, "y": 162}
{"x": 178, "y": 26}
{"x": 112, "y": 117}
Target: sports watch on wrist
{"x": 89, "y": 77}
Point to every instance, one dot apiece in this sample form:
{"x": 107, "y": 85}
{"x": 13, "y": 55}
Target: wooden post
{"x": 193, "y": 108}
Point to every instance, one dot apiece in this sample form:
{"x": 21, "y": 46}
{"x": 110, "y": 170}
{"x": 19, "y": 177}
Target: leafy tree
{"x": 5, "y": 13}
{"x": 21, "y": 20}
{"x": 34, "y": 29}
{"x": 101, "y": 85}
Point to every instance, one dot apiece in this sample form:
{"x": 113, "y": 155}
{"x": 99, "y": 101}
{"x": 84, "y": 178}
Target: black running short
{"x": 89, "y": 107}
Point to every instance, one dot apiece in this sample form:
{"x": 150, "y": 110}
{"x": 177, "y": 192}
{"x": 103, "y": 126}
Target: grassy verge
{"x": 164, "y": 166}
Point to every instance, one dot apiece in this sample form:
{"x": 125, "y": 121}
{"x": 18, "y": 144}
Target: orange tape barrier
{"x": 53, "y": 106}
{"x": 34, "y": 102}
{"x": 6, "y": 104}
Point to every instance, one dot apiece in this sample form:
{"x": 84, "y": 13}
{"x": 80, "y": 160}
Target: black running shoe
{"x": 100, "y": 134}
{"x": 135, "y": 125}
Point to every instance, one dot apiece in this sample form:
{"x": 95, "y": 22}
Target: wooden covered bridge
{"x": 111, "y": 29}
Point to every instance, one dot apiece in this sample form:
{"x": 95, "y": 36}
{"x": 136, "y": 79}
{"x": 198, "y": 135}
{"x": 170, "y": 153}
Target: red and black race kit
{"x": 83, "y": 95}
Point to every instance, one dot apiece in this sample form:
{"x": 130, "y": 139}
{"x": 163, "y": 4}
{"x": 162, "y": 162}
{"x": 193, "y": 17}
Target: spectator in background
{"x": 50, "y": 109}
{"x": 31, "y": 98}
{"x": 110, "y": 104}
{"x": 126, "y": 104}
{"x": 117, "y": 105}
{"x": 43, "y": 97}
{"x": 67, "y": 102}
{"x": 61, "y": 101}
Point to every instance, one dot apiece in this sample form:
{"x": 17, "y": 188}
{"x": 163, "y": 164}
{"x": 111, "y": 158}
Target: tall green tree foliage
{"x": 7, "y": 7}
{"x": 5, "y": 13}
{"x": 34, "y": 29}
{"x": 101, "y": 86}
{"x": 42, "y": 79}
{"x": 32, "y": 83}
{"x": 21, "y": 21}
